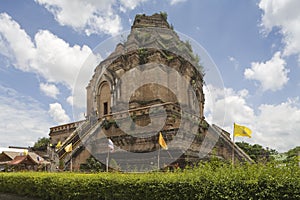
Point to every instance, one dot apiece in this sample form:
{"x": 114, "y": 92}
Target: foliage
{"x": 164, "y": 15}
{"x": 41, "y": 144}
{"x": 257, "y": 152}
{"x": 114, "y": 165}
{"x": 142, "y": 52}
{"x": 293, "y": 156}
{"x": 61, "y": 164}
{"x": 106, "y": 124}
{"x": 92, "y": 165}
{"x": 188, "y": 45}
{"x": 293, "y": 152}
{"x": 207, "y": 181}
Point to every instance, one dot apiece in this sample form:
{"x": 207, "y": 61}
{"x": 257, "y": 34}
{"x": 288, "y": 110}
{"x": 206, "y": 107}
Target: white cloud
{"x": 23, "y": 120}
{"x": 271, "y": 74}
{"x": 3, "y": 50}
{"x": 174, "y": 2}
{"x": 96, "y": 17}
{"x": 58, "y": 113}
{"x": 70, "y": 100}
{"x": 49, "y": 89}
{"x": 284, "y": 15}
{"x": 89, "y": 16}
{"x": 234, "y": 61}
{"x": 278, "y": 125}
{"x": 17, "y": 42}
{"x": 132, "y": 4}
{"x": 227, "y": 106}
{"x": 56, "y": 60}
{"x": 274, "y": 126}
{"x": 48, "y": 56}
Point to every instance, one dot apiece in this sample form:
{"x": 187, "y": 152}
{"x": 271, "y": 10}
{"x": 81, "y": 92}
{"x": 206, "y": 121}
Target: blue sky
{"x": 255, "y": 45}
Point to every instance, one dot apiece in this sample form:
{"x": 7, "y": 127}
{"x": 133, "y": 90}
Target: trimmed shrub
{"x": 207, "y": 181}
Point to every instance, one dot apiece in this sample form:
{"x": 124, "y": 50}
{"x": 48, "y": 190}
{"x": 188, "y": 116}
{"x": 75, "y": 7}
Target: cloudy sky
{"x": 255, "y": 45}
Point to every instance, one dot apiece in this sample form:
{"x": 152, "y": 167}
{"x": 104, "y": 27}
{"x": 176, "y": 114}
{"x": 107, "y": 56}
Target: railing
{"x": 71, "y": 137}
{"x": 237, "y": 149}
{"x": 85, "y": 128}
{"x": 77, "y": 137}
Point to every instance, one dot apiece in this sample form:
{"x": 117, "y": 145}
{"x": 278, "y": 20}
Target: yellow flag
{"x": 241, "y": 131}
{"x": 58, "y": 145}
{"x": 68, "y": 148}
{"x": 162, "y": 142}
{"x": 25, "y": 152}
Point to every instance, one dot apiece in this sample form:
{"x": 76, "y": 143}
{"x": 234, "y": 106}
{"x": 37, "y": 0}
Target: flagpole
{"x": 233, "y": 150}
{"x": 71, "y": 165}
{"x": 158, "y": 157}
{"x": 107, "y": 159}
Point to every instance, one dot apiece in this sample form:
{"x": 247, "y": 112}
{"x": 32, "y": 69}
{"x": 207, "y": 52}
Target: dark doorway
{"x": 105, "y": 108}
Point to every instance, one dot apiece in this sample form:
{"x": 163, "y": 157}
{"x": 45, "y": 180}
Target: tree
{"x": 257, "y": 152}
{"x": 92, "y": 165}
{"x": 292, "y": 156}
{"x": 41, "y": 144}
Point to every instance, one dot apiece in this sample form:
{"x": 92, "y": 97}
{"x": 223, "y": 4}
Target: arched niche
{"x": 104, "y": 99}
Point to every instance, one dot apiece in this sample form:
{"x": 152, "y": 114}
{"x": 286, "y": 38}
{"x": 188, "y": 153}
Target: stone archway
{"x": 104, "y": 99}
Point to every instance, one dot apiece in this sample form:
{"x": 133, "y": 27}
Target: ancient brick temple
{"x": 152, "y": 83}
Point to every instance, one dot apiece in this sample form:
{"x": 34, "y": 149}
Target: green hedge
{"x": 208, "y": 181}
